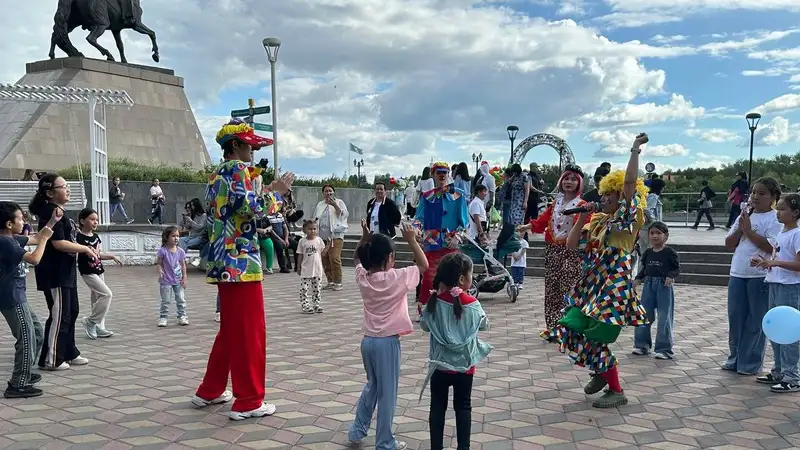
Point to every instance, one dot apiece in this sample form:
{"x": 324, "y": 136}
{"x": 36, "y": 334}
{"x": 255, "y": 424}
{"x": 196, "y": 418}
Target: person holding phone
{"x": 331, "y": 215}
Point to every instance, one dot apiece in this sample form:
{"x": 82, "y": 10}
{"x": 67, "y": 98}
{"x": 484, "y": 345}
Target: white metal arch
{"x": 556, "y": 143}
{"x": 97, "y": 128}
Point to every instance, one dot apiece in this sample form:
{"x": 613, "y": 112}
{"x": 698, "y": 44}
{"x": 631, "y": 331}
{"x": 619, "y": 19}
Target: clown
{"x": 442, "y": 211}
{"x": 604, "y": 300}
{"x": 562, "y": 265}
{"x": 234, "y": 265}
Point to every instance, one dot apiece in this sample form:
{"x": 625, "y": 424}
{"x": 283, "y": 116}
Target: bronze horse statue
{"x": 97, "y": 16}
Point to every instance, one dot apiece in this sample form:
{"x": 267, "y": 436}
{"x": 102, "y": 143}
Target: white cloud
{"x": 571, "y": 8}
{"x": 777, "y": 132}
{"x": 715, "y": 135}
{"x": 786, "y": 102}
{"x": 791, "y": 54}
{"x": 619, "y": 142}
{"x": 629, "y": 114}
{"x": 635, "y": 19}
{"x": 722, "y": 48}
{"x": 661, "y": 39}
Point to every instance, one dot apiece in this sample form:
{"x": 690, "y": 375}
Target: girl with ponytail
{"x": 56, "y": 276}
{"x": 384, "y": 290}
{"x": 453, "y": 319}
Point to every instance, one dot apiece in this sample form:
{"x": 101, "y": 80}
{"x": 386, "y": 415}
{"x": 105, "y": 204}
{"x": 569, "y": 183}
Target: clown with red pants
{"x": 441, "y": 212}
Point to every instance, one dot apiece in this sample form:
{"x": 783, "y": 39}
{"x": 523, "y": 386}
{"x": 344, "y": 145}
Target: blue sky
{"x": 441, "y": 79}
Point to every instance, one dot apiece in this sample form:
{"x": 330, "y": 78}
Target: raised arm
{"x": 574, "y": 237}
{"x": 632, "y": 171}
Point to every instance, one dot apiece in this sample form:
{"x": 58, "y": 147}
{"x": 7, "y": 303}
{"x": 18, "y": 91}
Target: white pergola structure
{"x": 97, "y": 127}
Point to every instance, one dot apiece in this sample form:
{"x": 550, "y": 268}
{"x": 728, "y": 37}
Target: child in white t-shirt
{"x": 519, "y": 261}
{"x": 754, "y": 232}
{"x": 477, "y": 214}
{"x": 309, "y": 266}
{"x": 783, "y": 279}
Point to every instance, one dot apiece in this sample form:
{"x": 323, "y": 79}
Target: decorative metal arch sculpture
{"x": 556, "y": 143}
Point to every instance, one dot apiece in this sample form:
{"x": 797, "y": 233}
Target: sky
{"x": 413, "y": 80}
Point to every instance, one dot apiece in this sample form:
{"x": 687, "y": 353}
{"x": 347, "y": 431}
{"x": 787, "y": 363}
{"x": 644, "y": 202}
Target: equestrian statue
{"x": 97, "y": 16}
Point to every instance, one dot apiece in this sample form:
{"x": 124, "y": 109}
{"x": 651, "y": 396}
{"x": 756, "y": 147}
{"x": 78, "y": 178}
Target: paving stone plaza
{"x": 135, "y": 391}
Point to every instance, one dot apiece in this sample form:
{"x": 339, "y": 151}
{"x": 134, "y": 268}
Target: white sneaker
{"x": 201, "y": 402}
{"x": 183, "y": 320}
{"x": 162, "y": 322}
{"x": 89, "y": 328}
{"x": 337, "y": 287}
{"x": 195, "y": 262}
{"x": 102, "y": 333}
{"x": 327, "y": 287}
{"x": 62, "y": 366}
{"x": 266, "y": 409}
{"x": 79, "y": 361}
{"x": 216, "y": 317}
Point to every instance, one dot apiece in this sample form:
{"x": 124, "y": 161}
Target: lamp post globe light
{"x": 358, "y": 165}
{"x": 272, "y": 45}
{"x": 512, "y": 135}
{"x": 752, "y": 124}
{"x": 477, "y": 160}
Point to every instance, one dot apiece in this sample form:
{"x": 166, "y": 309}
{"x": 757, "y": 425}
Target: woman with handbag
{"x": 331, "y": 214}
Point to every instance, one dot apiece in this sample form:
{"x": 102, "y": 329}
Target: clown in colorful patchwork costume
{"x": 441, "y": 213}
{"x": 604, "y": 300}
{"x": 234, "y": 266}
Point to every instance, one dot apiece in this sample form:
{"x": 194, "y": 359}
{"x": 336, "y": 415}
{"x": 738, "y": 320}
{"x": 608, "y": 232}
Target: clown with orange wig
{"x": 562, "y": 265}
{"x": 441, "y": 213}
{"x": 604, "y": 301}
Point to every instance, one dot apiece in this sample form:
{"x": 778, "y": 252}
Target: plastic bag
{"x": 494, "y": 216}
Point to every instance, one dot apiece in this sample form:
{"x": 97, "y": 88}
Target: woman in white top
{"x": 156, "y": 203}
{"x": 332, "y": 213}
{"x": 753, "y": 235}
{"x": 426, "y": 182}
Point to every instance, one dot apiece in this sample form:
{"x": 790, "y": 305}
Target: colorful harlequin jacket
{"x": 441, "y": 212}
{"x": 233, "y": 209}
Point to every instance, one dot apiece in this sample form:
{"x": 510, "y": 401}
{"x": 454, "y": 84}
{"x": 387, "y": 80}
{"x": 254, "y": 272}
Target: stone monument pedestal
{"x": 160, "y": 128}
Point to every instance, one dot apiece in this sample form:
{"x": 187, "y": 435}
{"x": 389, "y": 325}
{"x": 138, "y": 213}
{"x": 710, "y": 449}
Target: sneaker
{"x": 195, "y": 262}
{"x": 183, "y": 320}
{"x": 611, "y": 400}
{"x": 337, "y": 287}
{"x": 308, "y": 310}
{"x": 767, "y": 379}
{"x": 400, "y": 445}
{"x": 216, "y": 317}
{"x": 150, "y": 221}
{"x": 785, "y": 387}
{"x": 640, "y": 351}
{"x": 327, "y": 287}
{"x": 22, "y": 392}
{"x": 89, "y": 328}
{"x": 318, "y": 309}
{"x": 662, "y": 355}
{"x": 595, "y": 385}
{"x": 35, "y": 378}
{"x": 79, "y": 361}
{"x": 162, "y": 322}
{"x": 129, "y": 221}
{"x": 269, "y": 271}
{"x": 58, "y": 368}
{"x": 266, "y": 409}
{"x": 103, "y": 333}
{"x": 199, "y": 402}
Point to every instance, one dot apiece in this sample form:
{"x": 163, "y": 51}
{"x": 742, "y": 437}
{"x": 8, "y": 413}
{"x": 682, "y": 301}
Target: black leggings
{"x": 704, "y": 212}
{"x": 462, "y": 405}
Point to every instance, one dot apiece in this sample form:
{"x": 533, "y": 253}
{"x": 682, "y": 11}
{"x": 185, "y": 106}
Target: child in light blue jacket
{"x": 453, "y": 319}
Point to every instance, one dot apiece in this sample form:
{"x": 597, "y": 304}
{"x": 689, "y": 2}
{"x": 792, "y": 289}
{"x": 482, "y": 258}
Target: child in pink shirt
{"x": 384, "y": 290}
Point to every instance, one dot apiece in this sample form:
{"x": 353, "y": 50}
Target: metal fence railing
{"x": 682, "y": 207}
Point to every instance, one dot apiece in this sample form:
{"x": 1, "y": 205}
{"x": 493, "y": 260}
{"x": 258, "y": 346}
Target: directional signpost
{"x": 250, "y": 112}
{"x": 262, "y": 127}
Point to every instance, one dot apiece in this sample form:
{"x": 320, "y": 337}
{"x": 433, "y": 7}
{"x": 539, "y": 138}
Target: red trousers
{"x": 433, "y": 256}
{"x": 240, "y": 347}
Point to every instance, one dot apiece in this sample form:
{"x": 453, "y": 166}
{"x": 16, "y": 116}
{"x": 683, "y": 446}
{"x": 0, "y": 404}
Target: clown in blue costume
{"x": 441, "y": 213}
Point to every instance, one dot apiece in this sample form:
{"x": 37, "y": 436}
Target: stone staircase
{"x": 21, "y": 193}
{"x": 700, "y": 264}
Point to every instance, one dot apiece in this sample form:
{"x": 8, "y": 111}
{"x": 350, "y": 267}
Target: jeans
{"x": 747, "y": 304}
{"x": 118, "y": 207}
{"x": 28, "y": 331}
{"x": 787, "y": 356}
{"x": 100, "y": 298}
{"x": 280, "y": 254}
{"x": 157, "y": 212}
{"x": 381, "y": 357}
{"x": 217, "y": 303}
{"x": 192, "y": 242}
{"x": 700, "y": 213}
{"x": 180, "y": 300}
{"x": 518, "y": 274}
{"x": 332, "y": 262}
{"x": 736, "y": 209}
{"x": 656, "y": 297}
{"x": 462, "y": 405}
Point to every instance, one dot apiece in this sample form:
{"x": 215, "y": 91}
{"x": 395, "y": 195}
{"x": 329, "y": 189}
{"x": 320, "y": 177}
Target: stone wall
{"x": 137, "y": 199}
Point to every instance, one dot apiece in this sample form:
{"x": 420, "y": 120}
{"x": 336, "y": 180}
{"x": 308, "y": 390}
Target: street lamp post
{"x": 560, "y": 154}
{"x": 358, "y": 165}
{"x": 477, "y": 160}
{"x": 752, "y": 123}
{"x": 272, "y": 45}
{"x": 512, "y": 135}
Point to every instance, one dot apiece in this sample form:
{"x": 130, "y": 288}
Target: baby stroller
{"x": 496, "y": 276}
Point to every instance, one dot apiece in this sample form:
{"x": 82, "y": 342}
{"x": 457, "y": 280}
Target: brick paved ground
{"x": 135, "y": 392}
